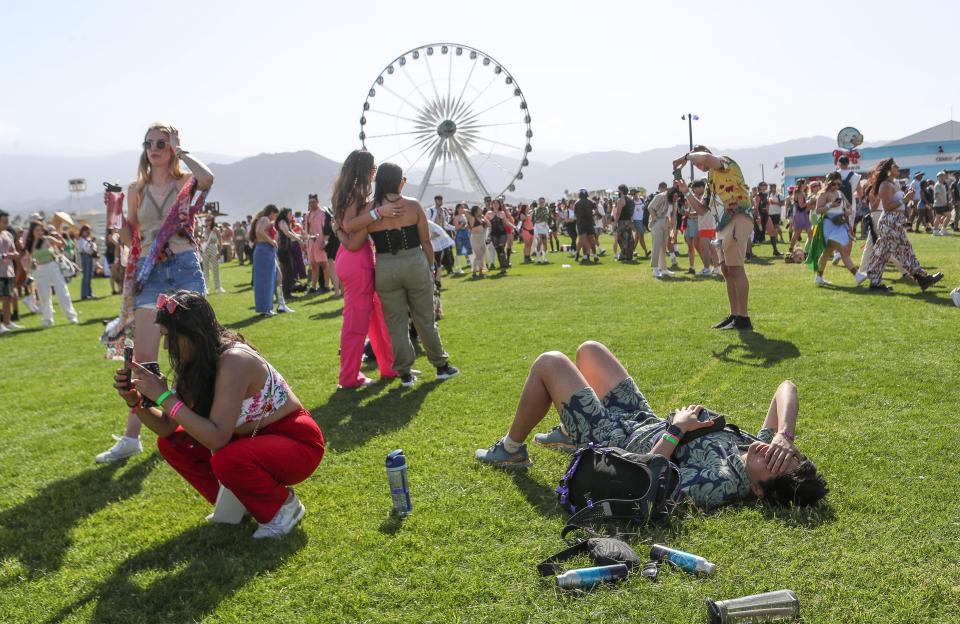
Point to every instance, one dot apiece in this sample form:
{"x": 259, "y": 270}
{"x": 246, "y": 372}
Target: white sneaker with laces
{"x": 860, "y": 277}
{"x": 285, "y": 519}
{"x": 124, "y": 448}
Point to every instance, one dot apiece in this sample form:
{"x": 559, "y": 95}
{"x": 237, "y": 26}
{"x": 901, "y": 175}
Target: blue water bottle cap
{"x": 396, "y": 459}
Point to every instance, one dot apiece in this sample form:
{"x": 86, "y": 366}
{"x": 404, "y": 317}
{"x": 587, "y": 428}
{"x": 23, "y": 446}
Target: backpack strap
{"x": 551, "y": 565}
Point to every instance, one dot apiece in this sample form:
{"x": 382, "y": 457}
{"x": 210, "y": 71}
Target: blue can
{"x": 399, "y": 486}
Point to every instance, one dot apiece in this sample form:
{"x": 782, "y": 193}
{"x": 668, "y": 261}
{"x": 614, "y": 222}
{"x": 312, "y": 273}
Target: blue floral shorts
{"x": 608, "y": 421}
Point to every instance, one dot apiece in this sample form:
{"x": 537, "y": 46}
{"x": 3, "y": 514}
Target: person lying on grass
{"x": 231, "y": 420}
{"x": 718, "y": 468}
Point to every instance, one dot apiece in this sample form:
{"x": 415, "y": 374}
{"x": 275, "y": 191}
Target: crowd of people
{"x": 384, "y": 254}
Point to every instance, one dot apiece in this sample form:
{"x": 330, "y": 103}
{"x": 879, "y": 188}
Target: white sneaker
{"x": 5, "y": 329}
{"x": 860, "y": 277}
{"x": 284, "y": 308}
{"x": 221, "y": 290}
{"x": 666, "y": 273}
{"x": 706, "y": 272}
{"x": 819, "y": 281}
{"x": 285, "y": 519}
{"x": 657, "y": 274}
{"x": 13, "y": 325}
{"x": 124, "y": 448}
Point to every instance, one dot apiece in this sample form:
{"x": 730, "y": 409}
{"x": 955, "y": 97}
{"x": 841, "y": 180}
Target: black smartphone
{"x": 128, "y": 363}
{"x": 153, "y": 367}
{"x": 678, "y": 174}
{"x": 707, "y": 415}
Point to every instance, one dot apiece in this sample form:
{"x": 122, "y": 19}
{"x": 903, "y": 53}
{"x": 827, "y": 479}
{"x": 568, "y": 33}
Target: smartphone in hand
{"x": 128, "y": 364}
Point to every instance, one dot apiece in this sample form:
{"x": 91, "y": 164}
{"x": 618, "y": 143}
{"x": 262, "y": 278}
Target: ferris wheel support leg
{"x": 429, "y": 173}
{"x": 471, "y": 172}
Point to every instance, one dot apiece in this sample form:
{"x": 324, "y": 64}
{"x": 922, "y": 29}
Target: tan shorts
{"x": 734, "y": 238}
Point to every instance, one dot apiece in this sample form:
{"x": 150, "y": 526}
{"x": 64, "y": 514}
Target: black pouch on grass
{"x": 610, "y": 485}
{"x": 603, "y": 551}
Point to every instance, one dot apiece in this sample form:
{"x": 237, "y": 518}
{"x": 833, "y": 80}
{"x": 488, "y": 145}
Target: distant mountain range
{"x": 244, "y": 185}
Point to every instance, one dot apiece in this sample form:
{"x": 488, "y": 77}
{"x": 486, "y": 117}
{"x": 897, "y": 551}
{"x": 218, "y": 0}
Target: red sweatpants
{"x": 362, "y": 317}
{"x": 256, "y": 469}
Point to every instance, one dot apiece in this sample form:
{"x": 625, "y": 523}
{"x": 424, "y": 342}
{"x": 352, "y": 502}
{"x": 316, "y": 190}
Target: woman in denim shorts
{"x": 149, "y": 201}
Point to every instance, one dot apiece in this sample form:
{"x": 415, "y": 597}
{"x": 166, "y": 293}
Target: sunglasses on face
{"x": 160, "y": 144}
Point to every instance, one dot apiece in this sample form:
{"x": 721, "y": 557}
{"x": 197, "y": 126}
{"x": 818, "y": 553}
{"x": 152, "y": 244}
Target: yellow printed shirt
{"x": 729, "y": 188}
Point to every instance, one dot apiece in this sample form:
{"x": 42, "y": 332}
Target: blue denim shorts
{"x": 180, "y": 272}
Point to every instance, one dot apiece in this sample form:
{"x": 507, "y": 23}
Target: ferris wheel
{"x": 452, "y": 117}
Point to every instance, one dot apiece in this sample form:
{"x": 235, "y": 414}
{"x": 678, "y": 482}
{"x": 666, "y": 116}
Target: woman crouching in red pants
{"x": 231, "y": 419}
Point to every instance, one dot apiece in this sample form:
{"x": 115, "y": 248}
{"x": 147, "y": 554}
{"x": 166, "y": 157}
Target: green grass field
{"x": 878, "y": 387}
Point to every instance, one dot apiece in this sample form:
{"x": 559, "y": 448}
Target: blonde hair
{"x": 144, "y": 169}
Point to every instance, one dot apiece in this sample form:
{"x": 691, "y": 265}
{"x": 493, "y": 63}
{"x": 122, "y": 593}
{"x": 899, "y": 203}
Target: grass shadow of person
{"x": 247, "y": 322}
{"x": 329, "y": 314}
{"x": 347, "y": 426}
{"x": 186, "y": 577}
{"x": 755, "y": 349}
{"x": 928, "y": 296}
{"x": 38, "y": 530}
{"x": 541, "y": 496}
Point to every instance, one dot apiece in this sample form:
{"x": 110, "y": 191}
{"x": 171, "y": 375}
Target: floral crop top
{"x": 268, "y": 399}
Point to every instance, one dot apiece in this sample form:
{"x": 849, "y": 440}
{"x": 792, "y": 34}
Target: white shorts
{"x": 541, "y": 229}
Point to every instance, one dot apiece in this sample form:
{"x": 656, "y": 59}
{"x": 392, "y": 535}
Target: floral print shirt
{"x": 728, "y": 187}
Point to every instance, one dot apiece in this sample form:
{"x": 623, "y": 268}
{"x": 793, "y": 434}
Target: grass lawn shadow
{"x": 755, "y": 349}
{"x": 38, "y": 530}
{"x": 801, "y": 517}
{"x": 247, "y": 322}
{"x": 927, "y": 296}
{"x": 541, "y": 496}
{"x": 347, "y": 426}
{"x": 329, "y": 314}
{"x": 175, "y": 582}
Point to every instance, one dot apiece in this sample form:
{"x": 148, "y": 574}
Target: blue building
{"x": 930, "y": 151}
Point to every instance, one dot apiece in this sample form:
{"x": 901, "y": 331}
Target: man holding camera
{"x": 731, "y": 196}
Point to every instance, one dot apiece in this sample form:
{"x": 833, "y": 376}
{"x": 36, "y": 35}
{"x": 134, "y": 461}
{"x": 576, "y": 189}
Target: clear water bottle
{"x": 588, "y": 578}
{"x": 691, "y": 564}
{"x": 399, "y": 487}
{"x": 768, "y": 607}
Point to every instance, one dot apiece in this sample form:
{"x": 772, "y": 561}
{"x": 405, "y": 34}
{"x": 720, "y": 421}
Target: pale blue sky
{"x": 247, "y": 77}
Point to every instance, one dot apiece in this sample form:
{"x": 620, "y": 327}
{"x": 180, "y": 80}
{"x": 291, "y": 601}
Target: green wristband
{"x": 163, "y": 397}
{"x": 672, "y": 440}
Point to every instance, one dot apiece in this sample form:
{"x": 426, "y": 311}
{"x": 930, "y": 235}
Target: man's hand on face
{"x": 781, "y": 452}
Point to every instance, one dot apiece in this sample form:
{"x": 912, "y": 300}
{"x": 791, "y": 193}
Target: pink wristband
{"x": 789, "y": 436}
{"x": 176, "y": 408}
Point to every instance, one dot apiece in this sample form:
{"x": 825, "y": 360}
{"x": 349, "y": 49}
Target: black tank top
{"x": 626, "y": 214}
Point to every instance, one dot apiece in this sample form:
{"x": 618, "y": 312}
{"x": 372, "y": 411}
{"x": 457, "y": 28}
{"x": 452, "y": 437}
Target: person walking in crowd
{"x": 892, "y": 238}
{"x": 699, "y": 204}
{"x": 318, "y": 230}
{"x": 286, "y": 251}
{"x": 463, "y": 246}
{"x": 690, "y": 226}
{"x": 264, "y": 238}
{"x": 240, "y": 242}
{"x": 554, "y": 223}
{"x": 524, "y": 225}
{"x": 232, "y": 420}
{"x": 584, "y": 214}
{"x": 729, "y": 190}
{"x": 498, "y": 219}
{"x": 764, "y": 210}
{"x": 639, "y": 222}
{"x": 941, "y": 205}
{"x": 42, "y": 247}
{"x": 834, "y": 230}
{"x": 8, "y": 275}
{"x": 570, "y": 227}
{"x": 800, "y": 222}
{"x": 403, "y": 278}
{"x": 659, "y": 215}
{"x": 210, "y": 253}
{"x": 362, "y": 310}
{"x": 477, "y": 223}
{"x": 162, "y": 204}
{"x": 86, "y": 247}
{"x": 622, "y": 215}
{"x": 541, "y": 229}
{"x": 600, "y": 404}
{"x": 113, "y": 251}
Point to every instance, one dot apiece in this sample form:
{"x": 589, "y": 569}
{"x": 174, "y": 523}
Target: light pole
{"x": 690, "y": 118}
{"x": 763, "y": 176}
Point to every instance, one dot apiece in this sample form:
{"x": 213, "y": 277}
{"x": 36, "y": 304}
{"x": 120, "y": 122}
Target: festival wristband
{"x": 672, "y": 440}
{"x": 374, "y": 214}
{"x": 789, "y": 436}
{"x": 675, "y": 431}
{"x": 175, "y": 409}
{"x": 163, "y": 397}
